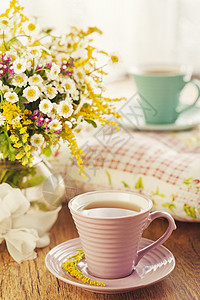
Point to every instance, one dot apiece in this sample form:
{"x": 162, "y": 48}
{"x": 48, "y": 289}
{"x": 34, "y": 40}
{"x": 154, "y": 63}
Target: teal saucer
{"x": 135, "y": 120}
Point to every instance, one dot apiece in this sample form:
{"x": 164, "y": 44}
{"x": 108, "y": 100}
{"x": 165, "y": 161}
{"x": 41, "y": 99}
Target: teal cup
{"x": 159, "y": 88}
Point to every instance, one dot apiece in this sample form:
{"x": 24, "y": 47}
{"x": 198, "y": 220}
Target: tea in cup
{"x": 110, "y": 225}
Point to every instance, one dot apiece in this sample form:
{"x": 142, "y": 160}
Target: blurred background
{"x": 139, "y": 31}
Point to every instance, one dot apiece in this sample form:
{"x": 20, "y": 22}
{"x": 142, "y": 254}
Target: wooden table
{"x": 32, "y": 280}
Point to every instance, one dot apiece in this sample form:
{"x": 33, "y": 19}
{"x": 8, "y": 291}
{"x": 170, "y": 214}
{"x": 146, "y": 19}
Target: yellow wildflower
{"x": 103, "y": 52}
{"x": 114, "y": 59}
{"x": 10, "y": 111}
{"x": 71, "y": 267}
{"x": 27, "y": 122}
{"x": 24, "y": 161}
{"x": 27, "y": 112}
{"x": 14, "y": 138}
{"x": 27, "y": 148}
{"x": 68, "y": 135}
{"x": 28, "y": 154}
{"x": 25, "y": 137}
{"x": 14, "y": 9}
{"x": 18, "y": 145}
{"x": 17, "y": 125}
{"x": 20, "y": 155}
{"x": 23, "y": 130}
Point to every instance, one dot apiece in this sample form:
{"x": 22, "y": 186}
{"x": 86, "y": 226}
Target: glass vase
{"x": 44, "y": 188}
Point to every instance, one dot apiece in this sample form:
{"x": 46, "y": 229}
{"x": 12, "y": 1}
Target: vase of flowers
{"x": 49, "y": 86}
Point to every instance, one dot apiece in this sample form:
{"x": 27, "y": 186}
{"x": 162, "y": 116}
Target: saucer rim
{"x": 163, "y": 127}
{"x": 106, "y": 289}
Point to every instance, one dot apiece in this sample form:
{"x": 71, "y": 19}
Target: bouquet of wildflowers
{"x": 49, "y": 85}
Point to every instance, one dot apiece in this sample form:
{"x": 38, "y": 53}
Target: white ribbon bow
{"x": 22, "y": 228}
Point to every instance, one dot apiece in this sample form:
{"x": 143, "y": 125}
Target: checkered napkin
{"x": 164, "y": 166}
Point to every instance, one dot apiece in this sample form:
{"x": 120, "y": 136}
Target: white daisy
{"x": 60, "y": 43}
{"x": 37, "y": 140}
{"x": 29, "y": 62}
{"x": 79, "y": 75}
{"x": 11, "y": 97}
{"x": 5, "y": 89}
{"x": 68, "y": 124}
{"x": 59, "y": 88}
{"x": 65, "y": 108}
{"x": 73, "y": 121}
{"x": 19, "y": 65}
{"x": 31, "y": 93}
{"x": 19, "y": 80}
{"x": 70, "y": 44}
{"x": 55, "y": 70}
{"x": 5, "y": 23}
{"x": 16, "y": 120}
{"x": 35, "y": 80}
{"x": 2, "y": 120}
{"x": 45, "y": 106}
{"x": 69, "y": 85}
{"x": 31, "y": 28}
{"x": 41, "y": 87}
{"x": 55, "y": 125}
{"x": 50, "y": 91}
{"x": 53, "y": 112}
{"x": 12, "y": 53}
{"x": 75, "y": 95}
{"x": 35, "y": 51}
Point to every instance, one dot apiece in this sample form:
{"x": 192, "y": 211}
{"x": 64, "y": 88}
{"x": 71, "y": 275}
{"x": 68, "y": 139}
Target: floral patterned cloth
{"x": 164, "y": 166}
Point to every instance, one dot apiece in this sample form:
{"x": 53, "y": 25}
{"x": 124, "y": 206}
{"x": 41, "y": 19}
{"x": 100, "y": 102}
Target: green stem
{"x": 4, "y": 42}
{"x": 1, "y": 95}
{"x": 16, "y": 38}
{"x": 2, "y": 175}
{"x": 43, "y": 69}
{"x": 97, "y": 69}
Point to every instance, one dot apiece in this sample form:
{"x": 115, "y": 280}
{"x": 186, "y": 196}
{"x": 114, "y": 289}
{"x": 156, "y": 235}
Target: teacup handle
{"x": 197, "y": 84}
{"x": 163, "y": 238}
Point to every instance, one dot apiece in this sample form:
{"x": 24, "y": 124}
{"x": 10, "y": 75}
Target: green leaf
{"x": 187, "y": 181}
{"x": 48, "y": 31}
{"x": 17, "y": 90}
{"x": 85, "y": 105}
{"x": 6, "y": 147}
{"x": 109, "y": 178}
{"x": 34, "y": 181}
{"x": 190, "y": 211}
{"x": 139, "y": 184}
{"x": 125, "y": 184}
{"x": 171, "y": 206}
{"x": 157, "y": 193}
{"x": 91, "y": 122}
{"x": 22, "y": 99}
{"x": 47, "y": 151}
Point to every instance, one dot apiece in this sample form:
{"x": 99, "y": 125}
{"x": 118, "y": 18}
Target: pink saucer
{"x": 153, "y": 267}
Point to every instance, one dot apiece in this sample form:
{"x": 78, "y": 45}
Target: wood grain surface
{"x": 32, "y": 280}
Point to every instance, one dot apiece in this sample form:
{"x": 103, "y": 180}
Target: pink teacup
{"x": 110, "y": 225}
